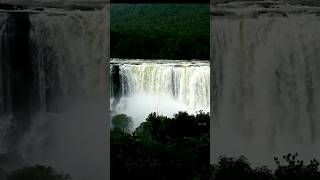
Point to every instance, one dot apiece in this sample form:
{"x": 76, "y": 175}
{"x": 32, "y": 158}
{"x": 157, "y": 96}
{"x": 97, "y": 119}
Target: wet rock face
{"x": 18, "y": 75}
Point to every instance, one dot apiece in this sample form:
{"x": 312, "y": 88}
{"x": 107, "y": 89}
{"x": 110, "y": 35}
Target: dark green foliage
{"x": 160, "y": 31}
{"x": 157, "y": 150}
{"x": 122, "y": 122}
{"x": 37, "y": 172}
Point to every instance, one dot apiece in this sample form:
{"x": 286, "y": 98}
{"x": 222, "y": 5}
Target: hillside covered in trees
{"x": 160, "y": 31}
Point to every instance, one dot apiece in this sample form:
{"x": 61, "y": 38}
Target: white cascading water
{"x": 68, "y": 52}
{"x": 162, "y": 86}
{"x": 268, "y": 101}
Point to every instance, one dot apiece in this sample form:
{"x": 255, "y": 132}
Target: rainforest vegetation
{"x": 160, "y": 31}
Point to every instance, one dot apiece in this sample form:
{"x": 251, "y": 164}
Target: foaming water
{"x": 140, "y": 105}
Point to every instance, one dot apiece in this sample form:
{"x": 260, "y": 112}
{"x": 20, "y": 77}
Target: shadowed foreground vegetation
{"x": 161, "y": 148}
{"x": 178, "y": 148}
{"x": 288, "y": 168}
{"x": 227, "y": 168}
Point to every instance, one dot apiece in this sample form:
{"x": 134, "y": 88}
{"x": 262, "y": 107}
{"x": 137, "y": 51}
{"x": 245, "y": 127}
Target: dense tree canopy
{"x": 163, "y": 148}
{"x": 160, "y": 31}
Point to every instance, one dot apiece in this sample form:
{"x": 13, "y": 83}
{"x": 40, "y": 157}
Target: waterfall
{"x": 64, "y": 101}
{"x": 268, "y": 69}
{"x": 163, "y": 86}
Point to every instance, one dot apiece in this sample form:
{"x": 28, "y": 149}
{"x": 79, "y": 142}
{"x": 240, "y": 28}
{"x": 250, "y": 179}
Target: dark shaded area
{"x": 10, "y": 7}
{"x": 18, "y": 76}
{"x": 22, "y": 83}
{"x": 160, "y": 31}
{"x": 163, "y": 148}
{"x": 11, "y": 160}
{"x": 37, "y": 172}
{"x": 115, "y": 81}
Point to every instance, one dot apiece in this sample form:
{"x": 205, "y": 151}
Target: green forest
{"x": 161, "y": 147}
{"x": 160, "y": 31}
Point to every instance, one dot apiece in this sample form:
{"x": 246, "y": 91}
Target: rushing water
{"x": 52, "y": 84}
{"x": 268, "y": 101}
{"x": 163, "y": 86}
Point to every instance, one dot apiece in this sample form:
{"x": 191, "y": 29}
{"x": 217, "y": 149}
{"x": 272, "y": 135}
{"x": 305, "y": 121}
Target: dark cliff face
{"x": 18, "y": 74}
{"x": 25, "y": 89}
{"x": 116, "y": 84}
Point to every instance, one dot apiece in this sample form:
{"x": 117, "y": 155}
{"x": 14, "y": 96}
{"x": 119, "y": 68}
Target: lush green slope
{"x": 170, "y": 31}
